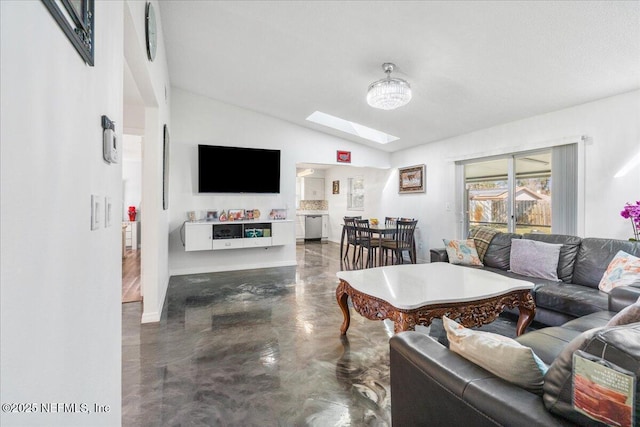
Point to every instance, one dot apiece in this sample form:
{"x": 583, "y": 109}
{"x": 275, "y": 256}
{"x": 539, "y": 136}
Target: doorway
{"x": 132, "y": 140}
{"x": 131, "y": 218}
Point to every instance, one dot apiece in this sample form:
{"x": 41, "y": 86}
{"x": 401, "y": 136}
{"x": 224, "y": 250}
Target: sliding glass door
{"x": 511, "y": 193}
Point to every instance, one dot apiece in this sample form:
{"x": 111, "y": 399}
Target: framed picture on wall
{"x": 336, "y": 187}
{"x": 76, "y": 19}
{"x": 165, "y": 169}
{"x": 412, "y": 179}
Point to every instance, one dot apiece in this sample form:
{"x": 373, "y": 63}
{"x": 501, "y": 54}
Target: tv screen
{"x": 238, "y": 170}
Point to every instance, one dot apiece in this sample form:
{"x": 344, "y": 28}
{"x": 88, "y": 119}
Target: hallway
{"x": 131, "y": 276}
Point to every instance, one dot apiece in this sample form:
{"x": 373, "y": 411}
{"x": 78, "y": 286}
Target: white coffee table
{"x": 415, "y": 294}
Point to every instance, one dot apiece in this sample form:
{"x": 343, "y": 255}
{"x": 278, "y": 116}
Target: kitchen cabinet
{"x": 325, "y": 227}
{"x": 300, "y": 228}
{"x": 131, "y": 234}
{"x": 313, "y": 189}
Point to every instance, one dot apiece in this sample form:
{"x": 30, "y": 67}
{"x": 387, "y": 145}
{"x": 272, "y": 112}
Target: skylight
{"x": 351, "y": 128}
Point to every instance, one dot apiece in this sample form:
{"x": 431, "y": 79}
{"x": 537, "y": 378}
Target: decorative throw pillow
{"x": 462, "y": 252}
{"x": 629, "y": 314}
{"x": 624, "y": 269}
{"x": 535, "y": 259}
{"x": 500, "y": 355}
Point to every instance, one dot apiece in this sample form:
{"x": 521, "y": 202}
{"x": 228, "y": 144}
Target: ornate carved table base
{"x": 467, "y": 313}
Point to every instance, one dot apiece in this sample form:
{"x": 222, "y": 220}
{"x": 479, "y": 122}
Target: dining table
{"x": 380, "y": 230}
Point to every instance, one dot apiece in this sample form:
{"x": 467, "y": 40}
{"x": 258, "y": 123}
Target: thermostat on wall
{"x": 109, "y": 141}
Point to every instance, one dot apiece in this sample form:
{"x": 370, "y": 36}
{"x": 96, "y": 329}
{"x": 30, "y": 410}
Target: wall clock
{"x": 151, "y": 31}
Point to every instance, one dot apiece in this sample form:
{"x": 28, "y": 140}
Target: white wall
{"x": 376, "y": 183}
{"x": 152, "y": 81}
{"x": 61, "y": 282}
{"x": 199, "y": 120}
{"x": 612, "y": 126}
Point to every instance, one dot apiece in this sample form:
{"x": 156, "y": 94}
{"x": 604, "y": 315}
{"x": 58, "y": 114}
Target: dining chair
{"x": 404, "y": 242}
{"x": 349, "y": 239}
{"x": 364, "y": 238}
{"x": 389, "y": 222}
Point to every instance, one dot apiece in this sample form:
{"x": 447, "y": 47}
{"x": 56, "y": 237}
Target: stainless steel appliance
{"x": 313, "y": 227}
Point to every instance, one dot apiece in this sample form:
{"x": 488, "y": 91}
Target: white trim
{"x": 519, "y": 148}
{"x": 221, "y": 268}
{"x": 153, "y": 317}
{"x": 581, "y": 189}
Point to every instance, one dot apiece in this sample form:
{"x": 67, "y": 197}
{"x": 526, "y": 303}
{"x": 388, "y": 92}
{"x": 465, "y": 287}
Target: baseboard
{"x": 154, "y": 316}
{"x": 220, "y": 268}
{"x": 150, "y": 317}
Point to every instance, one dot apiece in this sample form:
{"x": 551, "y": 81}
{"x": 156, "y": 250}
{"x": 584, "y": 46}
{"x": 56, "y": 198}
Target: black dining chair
{"x": 389, "y": 222}
{"x": 349, "y": 240}
{"x": 404, "y": 242}
{"x": 365, "y": 242}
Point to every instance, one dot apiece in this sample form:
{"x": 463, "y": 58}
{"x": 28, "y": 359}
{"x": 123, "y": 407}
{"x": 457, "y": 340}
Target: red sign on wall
{"x": 344, "y": 156}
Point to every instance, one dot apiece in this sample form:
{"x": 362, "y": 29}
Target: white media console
{"x": 209, "y": 235}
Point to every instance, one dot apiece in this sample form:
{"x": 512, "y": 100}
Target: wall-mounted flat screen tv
{"x": 238, "y": 170}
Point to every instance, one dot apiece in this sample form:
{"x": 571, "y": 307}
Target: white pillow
{"x": 500, "y": 355}
{"x": 535, "y": 259}
{"x": 624, "y": 269}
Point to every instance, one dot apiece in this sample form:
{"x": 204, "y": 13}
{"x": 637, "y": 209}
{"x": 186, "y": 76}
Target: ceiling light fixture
{"x": 388, "y": 93}
{"x": 305, "y": 172}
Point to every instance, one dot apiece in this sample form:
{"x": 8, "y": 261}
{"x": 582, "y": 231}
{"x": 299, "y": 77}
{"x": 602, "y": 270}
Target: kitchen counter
{"x": 301, "y": 212}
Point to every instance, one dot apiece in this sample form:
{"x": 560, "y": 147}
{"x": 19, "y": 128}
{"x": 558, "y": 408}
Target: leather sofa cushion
{"x": 594, "y": 257}
{"x": 590, "y": 321}
{"x": 623, "y": 296}
{"x": 547, "y": 343}
{"x": 619, "y": 345}
{"x": 568, "y": 252}
{"x": 575, "y": 300}
{"x": 499, "y": 251}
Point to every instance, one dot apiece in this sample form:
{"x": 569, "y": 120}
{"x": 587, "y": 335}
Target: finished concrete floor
{"x": 261, "y": 348}
{"x": 256, "y": 348}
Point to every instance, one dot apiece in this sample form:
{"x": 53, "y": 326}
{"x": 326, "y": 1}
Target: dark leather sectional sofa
{"x": 433, "y": 386}
{"x": 581, "y": 264}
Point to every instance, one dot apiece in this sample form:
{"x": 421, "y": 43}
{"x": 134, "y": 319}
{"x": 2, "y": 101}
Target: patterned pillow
{"x": 629, "y": 314}
{"x": 500, "y": 355}
{"x": 535, "y": 259}
{"x": 462, "y": 252}
{"x": 624, "y": 269}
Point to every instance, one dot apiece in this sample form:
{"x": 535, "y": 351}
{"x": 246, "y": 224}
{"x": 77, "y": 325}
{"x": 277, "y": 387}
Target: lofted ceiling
{"x": 471, "y": 64}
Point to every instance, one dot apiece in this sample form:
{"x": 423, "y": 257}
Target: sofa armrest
{"x": 623, "y": 296}
{"x": 439, "y": 255}
{"x": 433, "y": 386}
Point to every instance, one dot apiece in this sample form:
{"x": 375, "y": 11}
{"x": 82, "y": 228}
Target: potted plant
{"x": 632, "y": 212}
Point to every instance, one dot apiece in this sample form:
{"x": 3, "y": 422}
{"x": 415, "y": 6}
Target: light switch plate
{"x": 97, "y": 211}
